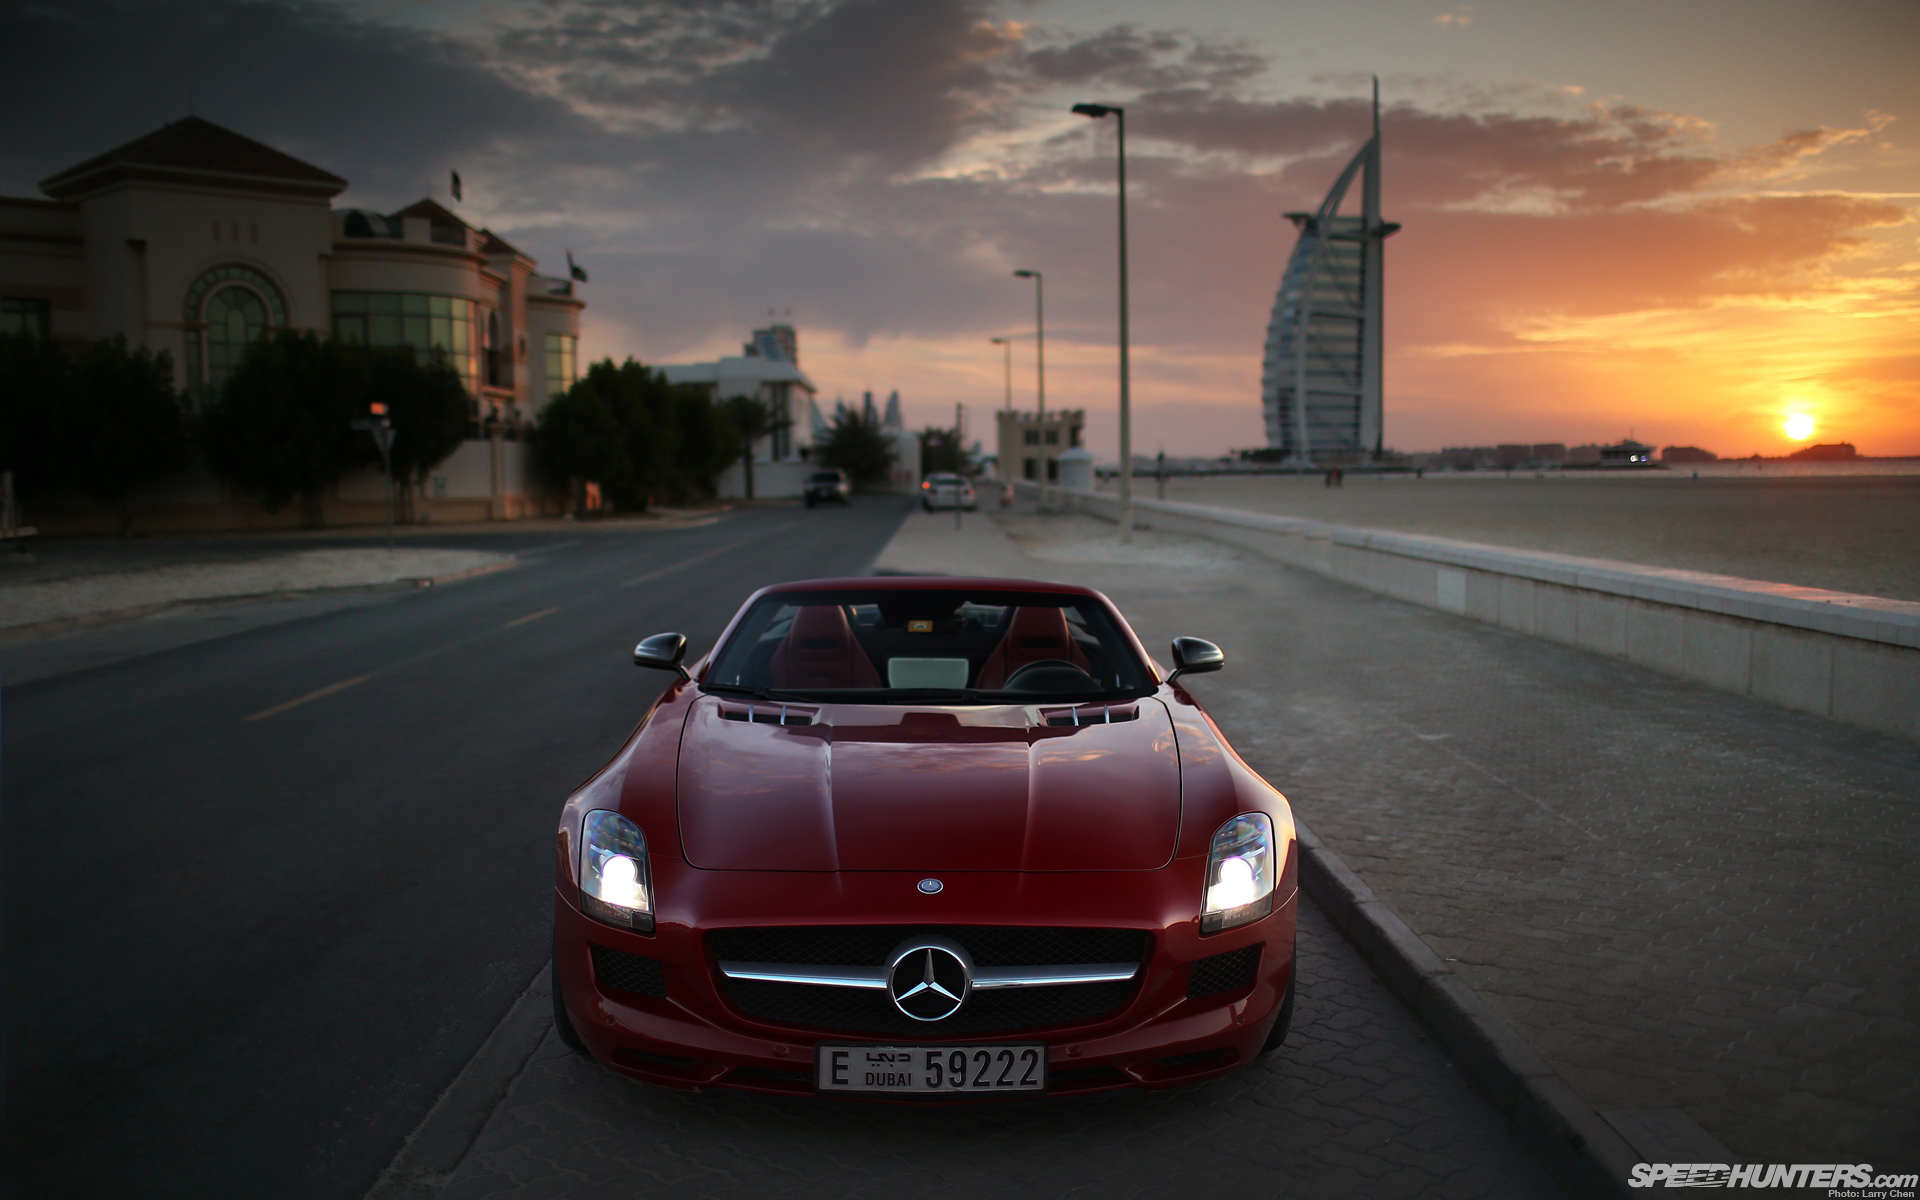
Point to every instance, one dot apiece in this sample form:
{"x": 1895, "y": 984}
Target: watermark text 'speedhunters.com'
{"x": 1849, "y": 1181}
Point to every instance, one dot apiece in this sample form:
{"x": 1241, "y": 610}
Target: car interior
{"x": 927, "y": 640}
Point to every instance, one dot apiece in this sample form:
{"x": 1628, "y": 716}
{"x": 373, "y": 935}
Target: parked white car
{"x": 945, "y": 490}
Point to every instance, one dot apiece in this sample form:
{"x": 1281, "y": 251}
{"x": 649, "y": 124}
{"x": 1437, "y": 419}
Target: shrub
{"x": 282, "y": 427}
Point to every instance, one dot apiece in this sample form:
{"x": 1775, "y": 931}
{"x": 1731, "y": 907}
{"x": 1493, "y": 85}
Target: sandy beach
{"x": 1847, "y": 533}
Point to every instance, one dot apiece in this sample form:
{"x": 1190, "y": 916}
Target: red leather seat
{"x": 819, "y": 652}
{"x": 1033, "y": 635}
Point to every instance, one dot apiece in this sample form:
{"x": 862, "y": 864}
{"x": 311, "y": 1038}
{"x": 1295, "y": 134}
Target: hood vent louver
{"x": 769, "y": 714}
{"x": 1091, "y": 714}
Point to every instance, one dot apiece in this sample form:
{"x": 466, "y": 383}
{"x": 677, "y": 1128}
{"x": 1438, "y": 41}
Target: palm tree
{"x": 754, "y": 418}
{"x": 858, "y": 446}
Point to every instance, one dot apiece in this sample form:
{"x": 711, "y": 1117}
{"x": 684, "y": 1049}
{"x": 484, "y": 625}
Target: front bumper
{"x": 690, "y": 1036}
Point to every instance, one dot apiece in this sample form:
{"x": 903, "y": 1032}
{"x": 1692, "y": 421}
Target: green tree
{"x": 580, "y": 441}
{"x": 708, "y": 443}
{"x": 858, "y": 446}
{"x": 940, "y": 450}
{"x": 639, "y": 437}
{"x": 36, "y": 390}
{"x": 753, "y": 418}
{"x": 428, "y": 406}
{"x": 282, "y": 427}
{"x": 126, "y": 429}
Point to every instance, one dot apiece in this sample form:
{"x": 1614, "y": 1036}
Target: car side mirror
{"x": 662, "y": 651}
{"x": 1195, "y": 656}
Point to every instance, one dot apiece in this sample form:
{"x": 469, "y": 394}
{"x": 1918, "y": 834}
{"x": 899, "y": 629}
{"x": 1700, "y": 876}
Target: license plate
{"x": 931, "y": 1070}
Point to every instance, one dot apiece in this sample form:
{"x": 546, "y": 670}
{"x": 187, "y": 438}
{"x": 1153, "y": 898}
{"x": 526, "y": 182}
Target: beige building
{"x": 1030, "y": 448}
{"x": 195, "y": 240}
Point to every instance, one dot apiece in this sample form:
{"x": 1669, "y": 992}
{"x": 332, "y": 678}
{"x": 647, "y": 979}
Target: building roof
{"x": 195, "y": 150}
{"x": 434, "y": 211}
{"x": 491, "y": 244}
{"x": 744, "y": 369}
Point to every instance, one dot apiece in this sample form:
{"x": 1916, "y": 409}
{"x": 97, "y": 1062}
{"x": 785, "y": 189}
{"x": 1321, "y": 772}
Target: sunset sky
{"x": 1690, "y": 222}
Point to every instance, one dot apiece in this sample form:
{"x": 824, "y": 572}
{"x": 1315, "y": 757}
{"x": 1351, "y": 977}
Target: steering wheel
{"x": 1049, "y": 675}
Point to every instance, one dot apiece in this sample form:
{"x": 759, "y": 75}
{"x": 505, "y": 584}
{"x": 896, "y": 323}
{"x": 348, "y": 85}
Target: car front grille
{"x": 872, "y": 1012}
{"x": 625, "y": 972}
{"x": 1227, "y": 972}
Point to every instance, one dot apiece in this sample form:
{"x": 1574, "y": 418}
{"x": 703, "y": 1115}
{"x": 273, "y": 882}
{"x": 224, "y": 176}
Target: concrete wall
{"x": 771, "y": 480}
{"x": 1855, "y": 658}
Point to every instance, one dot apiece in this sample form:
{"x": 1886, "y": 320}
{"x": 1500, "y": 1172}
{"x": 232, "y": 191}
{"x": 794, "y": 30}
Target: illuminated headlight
{"x": 1240, "y": 874}
{"x": 615, "y": 885}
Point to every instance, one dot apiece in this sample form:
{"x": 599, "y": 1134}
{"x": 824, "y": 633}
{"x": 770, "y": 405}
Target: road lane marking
{"x": 459, "y": 642}
{"x": 694, "y": 561}
{"x": 328, "y": 690}
{"x": 549, "y": 548}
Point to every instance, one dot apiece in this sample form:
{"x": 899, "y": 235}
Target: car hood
{"x": 879, "y": 789}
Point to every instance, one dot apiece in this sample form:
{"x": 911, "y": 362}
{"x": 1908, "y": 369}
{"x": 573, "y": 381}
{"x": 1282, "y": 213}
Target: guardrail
{"x": 1854, "y": 658}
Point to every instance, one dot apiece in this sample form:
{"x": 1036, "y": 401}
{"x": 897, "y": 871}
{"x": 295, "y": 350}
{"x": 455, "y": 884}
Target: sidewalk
{"x": 79, "y": 598}
{"x": 1680, "y": 898}
{"x": 84, "y": 582}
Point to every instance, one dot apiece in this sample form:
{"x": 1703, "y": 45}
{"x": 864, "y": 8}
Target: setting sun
{"x": 1799, "y": 427}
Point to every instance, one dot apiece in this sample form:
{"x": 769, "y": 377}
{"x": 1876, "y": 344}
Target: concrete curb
{"x": 1581, "y": 1149}
{"x": 437, "y": 1146}
{"x": 114, "y": 616}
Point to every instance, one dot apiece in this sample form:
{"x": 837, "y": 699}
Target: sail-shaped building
{"x": 1320, "y": 378}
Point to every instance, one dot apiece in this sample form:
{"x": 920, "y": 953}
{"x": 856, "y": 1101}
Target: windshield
{"x": 826, "y": 477}
{"x": 897, "y": 646}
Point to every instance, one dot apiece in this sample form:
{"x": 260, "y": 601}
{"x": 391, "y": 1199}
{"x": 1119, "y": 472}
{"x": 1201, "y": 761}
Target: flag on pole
{"x": 456, "y": 185}
{"x": 575, "y": 269}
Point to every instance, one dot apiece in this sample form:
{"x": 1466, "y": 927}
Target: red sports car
{"x": 925, "y": 838}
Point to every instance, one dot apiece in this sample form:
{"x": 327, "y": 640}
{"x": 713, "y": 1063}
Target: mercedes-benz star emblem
{"x": 929, "y": 978}
{"x": 930, "y": 886}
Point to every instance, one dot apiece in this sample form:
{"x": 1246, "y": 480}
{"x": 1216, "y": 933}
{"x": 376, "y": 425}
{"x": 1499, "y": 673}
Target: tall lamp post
{"x": 1039, "y": 362}
{"x": 1096, "y": 111}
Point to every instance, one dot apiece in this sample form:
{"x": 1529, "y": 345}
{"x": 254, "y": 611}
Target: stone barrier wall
{"x": 1855, "y": 658}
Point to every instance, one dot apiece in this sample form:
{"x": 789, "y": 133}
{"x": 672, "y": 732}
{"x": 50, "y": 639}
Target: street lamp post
{"x": 1007, "y": 344}
{"x": 1039, "y": 363}
{"x": 1096, "y": 111}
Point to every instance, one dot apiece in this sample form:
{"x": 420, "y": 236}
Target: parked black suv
{"x": 832, "y": 484}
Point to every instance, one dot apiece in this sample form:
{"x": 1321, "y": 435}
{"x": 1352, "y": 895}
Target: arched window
{"x": 227, "y": 310}
{"x": 235, "y": 317}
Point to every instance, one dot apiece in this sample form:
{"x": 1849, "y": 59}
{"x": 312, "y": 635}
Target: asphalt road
{"x": 265, "y": 894}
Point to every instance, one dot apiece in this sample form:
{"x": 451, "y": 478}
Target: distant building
{"x": 1320, "y": 374}
{"x": 1550, "y": 452}
{"x": 1582, "y": 456}
{"x": 1834, "y": 452}
{"x": 1687, "y": 454}
{"x": 1509, "y": 456}
{"x": 768, "y": 369}
{"x": 197, "y": 241}
{"x": 778, "y": 342}
{"x": 1627, "y": 453}
{"x": 1030, "y": 448}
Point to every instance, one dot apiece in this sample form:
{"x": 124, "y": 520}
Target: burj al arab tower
{"x": 1320, "y": 383}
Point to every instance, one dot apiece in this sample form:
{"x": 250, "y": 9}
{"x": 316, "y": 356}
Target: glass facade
{"x": 26, "y": 315}
{"x": 424, "y": 322}
{"x": 561, "y": 348}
